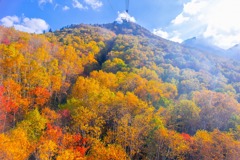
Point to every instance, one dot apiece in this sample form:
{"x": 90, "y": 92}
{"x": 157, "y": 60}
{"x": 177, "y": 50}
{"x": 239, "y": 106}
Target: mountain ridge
{"x": 132, "y": 40}
{"x": 204, "y": 46}
{"x": 133, "y": 29}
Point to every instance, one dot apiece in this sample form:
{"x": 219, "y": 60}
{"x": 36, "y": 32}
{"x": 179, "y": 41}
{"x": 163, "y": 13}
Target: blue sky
{"x": 149, "y": 13}
{"x": 215, "y": 21}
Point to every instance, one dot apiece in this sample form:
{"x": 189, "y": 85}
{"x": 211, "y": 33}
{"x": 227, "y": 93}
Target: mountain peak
{"x": 204, "y": 46}
{"x": 235, "y": 47}
{"x": 128, "y": 28}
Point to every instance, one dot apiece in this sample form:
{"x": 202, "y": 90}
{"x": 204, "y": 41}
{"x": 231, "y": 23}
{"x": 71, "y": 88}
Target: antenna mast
{"x": 127, "y": 5}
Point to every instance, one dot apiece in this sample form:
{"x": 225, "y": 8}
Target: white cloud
{"x": 176, "y": 39}
{"x": 125, "y": 16}
{"x": 77, "y": 4}
{"x": 195, "y": 6}
{"x": 159, "y": 32}
{"x": 215, "y": 20}
{"x": 56, "y": 6}
{"x": 65, "y": 8}
{"x": 8, "y": 21}
{"x": 31, "y": 25}
{"x": 180, "y": 19}
{"x": 95, "y": 4}
{"x": 173, "y": 36}
{"x": 40, "y": 2}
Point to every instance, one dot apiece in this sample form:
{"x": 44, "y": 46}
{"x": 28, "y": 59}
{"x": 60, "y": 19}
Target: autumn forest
{"x": 115, "y": 92}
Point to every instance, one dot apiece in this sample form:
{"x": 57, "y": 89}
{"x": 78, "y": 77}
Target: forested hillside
{"x": 114, "y": 92}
